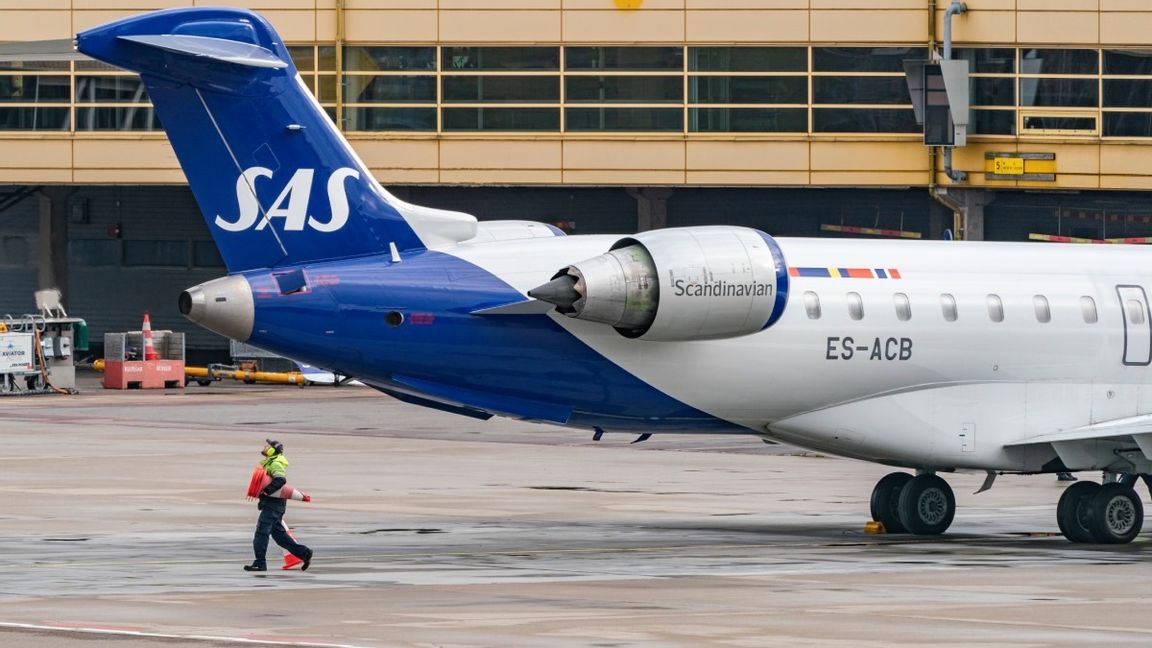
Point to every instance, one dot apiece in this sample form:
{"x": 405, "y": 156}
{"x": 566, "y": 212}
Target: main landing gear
{"x": 923, "y": 505}
{"x": 1105, "y": 514}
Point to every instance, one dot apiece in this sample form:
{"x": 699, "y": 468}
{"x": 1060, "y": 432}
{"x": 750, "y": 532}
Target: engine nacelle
{"x": 690, "y": 283}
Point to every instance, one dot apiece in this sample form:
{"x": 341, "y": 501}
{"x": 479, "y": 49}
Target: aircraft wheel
{"x": 1072, "y": 511}
{"x": 1116, "y": 514}
{"x": 886, "y": 498}
{"x": 927, "y": 505}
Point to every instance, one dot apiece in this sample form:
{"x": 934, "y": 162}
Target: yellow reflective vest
{"x": 276, "y": 466}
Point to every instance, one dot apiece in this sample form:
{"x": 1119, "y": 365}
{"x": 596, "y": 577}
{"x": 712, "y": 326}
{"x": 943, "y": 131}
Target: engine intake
{"x": 692, "y": 283}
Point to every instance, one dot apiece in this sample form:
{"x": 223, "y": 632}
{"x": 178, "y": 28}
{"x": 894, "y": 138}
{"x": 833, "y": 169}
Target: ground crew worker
{"x": 272, "y": 512}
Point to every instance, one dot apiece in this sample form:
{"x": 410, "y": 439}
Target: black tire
{"x": 1115, "y": 514}
{"x": 885, "y": 499}
{"x": 1072, "y": 511}
{"x": 927, "y": 505}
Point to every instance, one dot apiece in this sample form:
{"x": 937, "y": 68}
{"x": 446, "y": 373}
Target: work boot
{"x": 307, "y": 561}
{"x": 256, "y": 567}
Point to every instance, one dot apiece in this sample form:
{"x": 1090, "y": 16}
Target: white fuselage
{"x": 905, "y": 382}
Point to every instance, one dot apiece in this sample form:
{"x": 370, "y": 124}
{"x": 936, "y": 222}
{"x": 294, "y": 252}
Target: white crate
{"x": 17, "y": 353}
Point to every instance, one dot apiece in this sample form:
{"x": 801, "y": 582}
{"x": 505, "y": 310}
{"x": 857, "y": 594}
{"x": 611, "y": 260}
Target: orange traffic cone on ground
{"x": 149, "y": 348}
{"x": 290, "y": 560}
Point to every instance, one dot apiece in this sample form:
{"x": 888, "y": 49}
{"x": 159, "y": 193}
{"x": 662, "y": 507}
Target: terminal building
{"x": 995, "y": 120}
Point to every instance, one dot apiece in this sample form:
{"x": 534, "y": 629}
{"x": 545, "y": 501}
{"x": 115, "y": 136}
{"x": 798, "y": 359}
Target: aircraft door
{"x": 1137, "y": 327}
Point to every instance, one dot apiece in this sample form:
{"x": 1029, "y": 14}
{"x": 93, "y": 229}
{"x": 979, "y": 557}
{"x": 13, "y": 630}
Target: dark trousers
{"x": 271, "y": 524}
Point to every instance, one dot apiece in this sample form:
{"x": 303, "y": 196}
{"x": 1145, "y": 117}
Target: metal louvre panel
{"x": 113, "y": 298}
{"x": 19, "y": 254}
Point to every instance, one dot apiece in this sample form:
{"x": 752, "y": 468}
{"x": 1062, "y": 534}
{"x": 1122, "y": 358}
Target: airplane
{"x": 927, "y": 356}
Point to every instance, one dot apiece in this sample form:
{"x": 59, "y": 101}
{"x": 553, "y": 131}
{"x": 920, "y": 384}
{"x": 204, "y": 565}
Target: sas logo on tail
{"x": 291, "y": 204}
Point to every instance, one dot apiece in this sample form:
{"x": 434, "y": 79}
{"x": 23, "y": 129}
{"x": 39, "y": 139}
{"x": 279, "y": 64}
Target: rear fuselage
{"x": 1038, "y": 337}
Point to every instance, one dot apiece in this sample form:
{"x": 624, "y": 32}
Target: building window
{"x": 903, "y": 307}
{"x": 624, "y": 119}
{"x": 501, "y": 89}
{"x": 864, "y": 59}
{"x": 812, "y": 304}
{"x": 1062, "y": 92}
{"x": 660, "y": 80}
{"x": 748, "y": 59}
{"x": 872, "y": 120}
{"x": 389, "y": 59}
{"x": 390, "y": 119}
{"x": 1043, "y": 311}
{"x": 522, "y": 78}
{"x": 748, "y": 89}
{"x": 748, "y": 120}
{"x": 1062, "y": 62}
{"x": 34, "y": 119}
{"x": 862, "y": 90}
{"x": 120, "y": 118}
{"x": 389, "y": 89}
{"x": 624, "y": 89}
{"x": 624, "y": 58}
{"x": 948, "y": 307}
{"x": 995, "y": 308}
{"x": 500, "y": 58}
{"x": 501, "y": 119}
{"x": 855, "y": 306}
{"x": 385, "y": 88}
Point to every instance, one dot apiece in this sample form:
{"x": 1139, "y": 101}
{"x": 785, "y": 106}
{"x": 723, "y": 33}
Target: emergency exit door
{"x": 1137, "y": 328}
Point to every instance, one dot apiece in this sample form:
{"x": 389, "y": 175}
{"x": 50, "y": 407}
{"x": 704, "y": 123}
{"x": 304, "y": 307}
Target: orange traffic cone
{"x": 149, "y": 349}
{"x": 260, "y": 479}
{"x": 290, "y": 560}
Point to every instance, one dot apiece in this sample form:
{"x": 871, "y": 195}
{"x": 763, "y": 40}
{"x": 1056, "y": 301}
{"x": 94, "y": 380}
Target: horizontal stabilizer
{"x": 431, "y": 404}
{"x": 217, "y": 49}
{"x": 62, "y": 49}
{"x": 489, "y": 401}
{"x": 1115, "y": 429}
{"x": 526, "y": 307}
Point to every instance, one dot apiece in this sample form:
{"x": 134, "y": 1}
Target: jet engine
{"x": 223, "y": 305}
{"x": 691, "y": 283}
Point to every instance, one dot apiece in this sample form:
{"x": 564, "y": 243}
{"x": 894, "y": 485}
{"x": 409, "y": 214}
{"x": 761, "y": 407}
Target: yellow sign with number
{"x": 1008, "y": 166}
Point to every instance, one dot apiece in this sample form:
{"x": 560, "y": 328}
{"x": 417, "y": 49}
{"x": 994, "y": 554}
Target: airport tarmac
{"x": 124, "y": 523}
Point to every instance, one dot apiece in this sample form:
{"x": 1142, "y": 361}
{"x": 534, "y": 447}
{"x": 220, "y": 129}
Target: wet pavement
{"x": 123, "y": 514}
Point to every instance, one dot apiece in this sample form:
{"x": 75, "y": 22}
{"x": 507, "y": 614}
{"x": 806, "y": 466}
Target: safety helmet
{"x": 274, "y": 448}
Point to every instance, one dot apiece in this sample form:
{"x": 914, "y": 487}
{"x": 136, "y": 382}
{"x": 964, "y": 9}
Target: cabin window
{"x": 855, "y": 306}
{"x": 903, "y": 307}
{"x": 995, "y": 308}
{"x": 1135, "y": 311}
{"x": 948, "y": 306}
{"x": 812, "y": 304}
{"x": 1088, "y": 309}
{"x": 1043, "y": 312}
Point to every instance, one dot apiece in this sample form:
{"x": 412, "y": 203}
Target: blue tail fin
{"x": 275, "y": 179}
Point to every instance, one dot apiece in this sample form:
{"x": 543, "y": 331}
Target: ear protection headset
{"x": 274, "y": 448}
{"x": 269, "y": 452}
